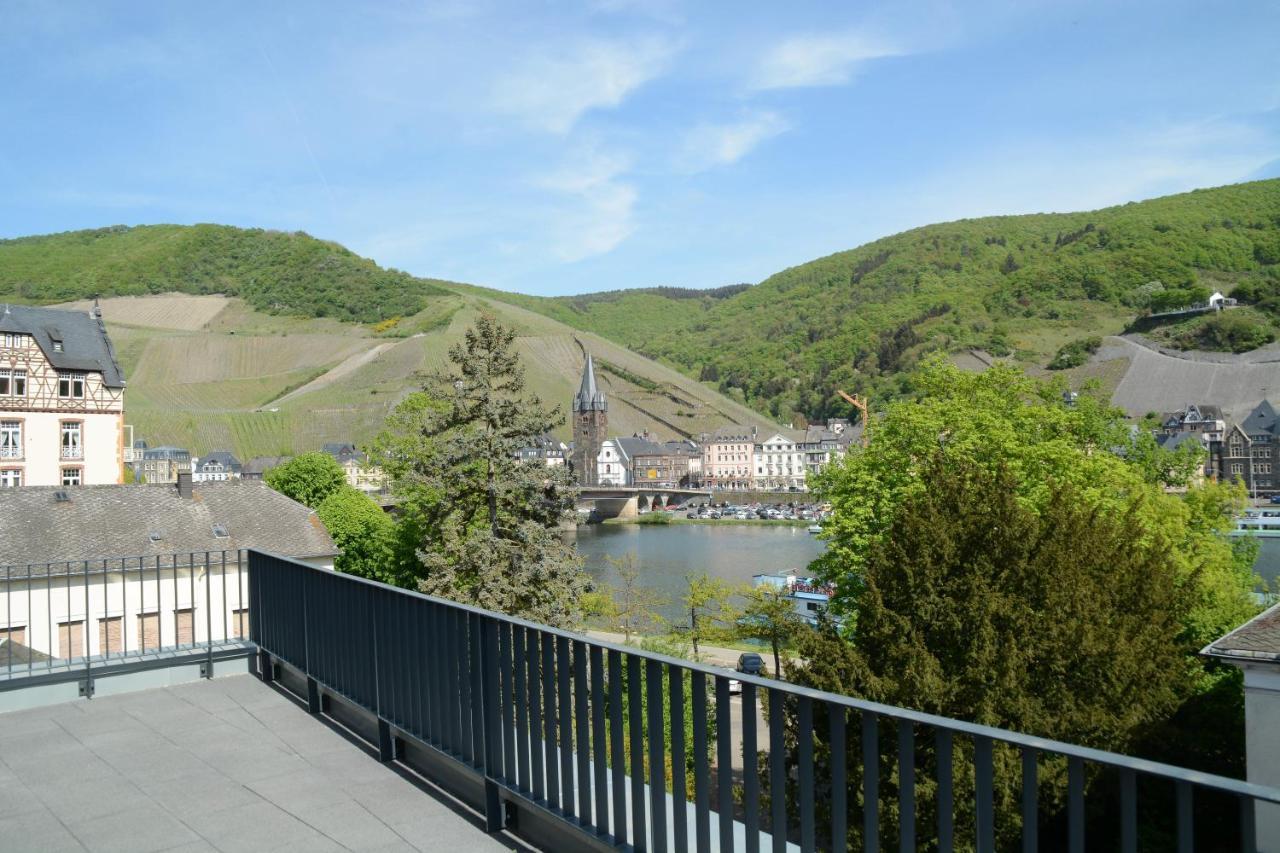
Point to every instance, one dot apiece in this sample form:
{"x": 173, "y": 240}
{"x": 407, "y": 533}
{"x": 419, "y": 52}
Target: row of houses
{"x": 164, "y": 465}
{"x": 1245, "y": 451}
{"x": 732, "y": 458}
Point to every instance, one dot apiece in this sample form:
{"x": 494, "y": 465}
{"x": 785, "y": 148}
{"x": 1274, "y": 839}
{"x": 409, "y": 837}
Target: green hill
{"x": 274, "y": 271}
{"x": 1017, "y": 286}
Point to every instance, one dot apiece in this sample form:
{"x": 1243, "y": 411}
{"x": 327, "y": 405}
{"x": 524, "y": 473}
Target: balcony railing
{"x": 11, "y": 452}
{"x": 73, "y": 451}
{"x": 581, "y": 731}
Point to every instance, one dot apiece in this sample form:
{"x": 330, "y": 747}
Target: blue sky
{"x": 561, "y": 148}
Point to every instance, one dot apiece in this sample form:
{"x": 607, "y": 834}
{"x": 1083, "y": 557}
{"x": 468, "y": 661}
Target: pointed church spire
{"x": 589, "y": 397}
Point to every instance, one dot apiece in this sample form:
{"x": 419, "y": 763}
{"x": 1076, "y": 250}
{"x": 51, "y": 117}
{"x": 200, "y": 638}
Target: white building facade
{"x": 778, "y": 464}
{"x": 613, "y": 466}
{"x": 61, "y": 400}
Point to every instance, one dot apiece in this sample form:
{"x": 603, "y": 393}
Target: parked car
{"x": 1275, "y": 499}
{"x": 735, "y": 686}
{"x": 750, "y": 663}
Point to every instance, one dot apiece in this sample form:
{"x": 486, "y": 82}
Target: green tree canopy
{"x": 363, "y": 532}
{"x": 486, "y": 523}
{"x": 308, "y": 479}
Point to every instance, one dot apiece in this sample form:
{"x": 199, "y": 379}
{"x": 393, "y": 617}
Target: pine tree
{"x": 487, "y": 523}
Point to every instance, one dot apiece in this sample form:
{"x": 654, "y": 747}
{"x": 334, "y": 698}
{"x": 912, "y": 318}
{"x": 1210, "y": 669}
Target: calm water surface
{"x": 666, "y": 554}
{"x": 735, "y": 552}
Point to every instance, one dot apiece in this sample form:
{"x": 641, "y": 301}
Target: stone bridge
{"x": 627, "y": 501}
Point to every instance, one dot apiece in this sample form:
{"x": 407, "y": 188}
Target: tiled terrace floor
{"x": 228, "y": 764}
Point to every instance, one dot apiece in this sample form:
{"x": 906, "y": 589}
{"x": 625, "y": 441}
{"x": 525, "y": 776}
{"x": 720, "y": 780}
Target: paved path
{"x": 228, "y": 764}
{"x": 343, "y": 368}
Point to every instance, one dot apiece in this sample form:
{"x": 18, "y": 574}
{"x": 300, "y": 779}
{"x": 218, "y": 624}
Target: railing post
{"x": 208, "y": 616}
{"x": 87, "y": 689}
{"x": 492, "y": 726}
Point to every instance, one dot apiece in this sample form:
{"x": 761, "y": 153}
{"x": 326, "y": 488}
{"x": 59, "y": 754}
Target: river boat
{"x": 809, "y": 596}
{"x": 1263, "y": 523}
{"x": 815, "y": 528}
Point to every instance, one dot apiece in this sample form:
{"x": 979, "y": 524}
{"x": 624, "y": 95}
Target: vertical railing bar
{"x": 906, "y": 786}
{"x": 983, "y": 795}
{"x": 839, "y": 778}
{"x": 1075, "y": 804}
{"x": 565, "y": 705}
{"x": 701, "y": 768}
{"x": 582, "y": 743}
{"x": 48, "y": 618}
{"x": 750, "y": 778}
{"x": 1030, "y": 806}
{"x": 599, "y": 738}
{"x": 804, "y": 742}
{"x": 777, "y": 772}
{"x": 522, "y": 708}
{"x": 1248, "y": 826}
{"x": 1186, "y": 839}
{"x": 870, "y": 783}
{"x": 617, "y": 754}
{"x": 549, "y": 720}
{"x": 679, "y": 793}
{"x": 946, "y": 792}
{"x": 1128, "y": 811}
{"x": 657, "y": 756}
{"x": 30, "y": 639}
{"x": 208, "y": 611}
{"x": 226, "y": 634}
{"x": 510, "y": 774}
{"x": 536, "y": 746}
{"x": 724, "y": 764}
{"x": 635, "y": 724}
{"x": 480, "y": 676}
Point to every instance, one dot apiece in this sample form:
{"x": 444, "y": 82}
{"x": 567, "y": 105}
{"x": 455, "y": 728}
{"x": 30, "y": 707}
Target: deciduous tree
{"x": 308, "y": 478}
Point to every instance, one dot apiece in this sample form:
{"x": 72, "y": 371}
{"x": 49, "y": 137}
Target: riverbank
{"x": 669, "y": 518}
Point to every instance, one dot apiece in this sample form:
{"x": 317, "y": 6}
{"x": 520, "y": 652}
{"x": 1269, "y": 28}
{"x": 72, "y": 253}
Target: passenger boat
{"x": 1264, "y": 523}
{"x": 815, "y": 528}
{"x": 809, "y": 596}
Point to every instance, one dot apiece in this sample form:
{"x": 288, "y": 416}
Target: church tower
{"x": 590, "y": 420}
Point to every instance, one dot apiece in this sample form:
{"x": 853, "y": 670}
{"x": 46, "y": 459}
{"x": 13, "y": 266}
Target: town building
{"x": 589, "y": 413}
{"x": 1249, "y": 452}
{"x": 546, "y": 449}
{"x": 727, "y": 458}
{"x": 1254, "y": 648}
{"x": 217, "y": 465}
{"x": 125, "y": 553}
{"x": 613, "y": 465}
{"x": 1204, "y": 421}
{"x": 824, "y": 444}
{"x": 162, "y": 465}
{"x": 257, "y": 467}
{"x": 61, "y": 399}
{"x": 778, "y": 464}
{"x": 355, "y": 467}
{"x": 689, "y": 450}
{"x": 654, "y": 464}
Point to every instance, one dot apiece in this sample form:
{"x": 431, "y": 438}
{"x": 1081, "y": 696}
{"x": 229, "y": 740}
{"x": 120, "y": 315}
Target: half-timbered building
{"x": 61, "y": 399}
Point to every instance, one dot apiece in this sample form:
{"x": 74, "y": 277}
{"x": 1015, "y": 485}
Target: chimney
{"x": 184, "y": 484}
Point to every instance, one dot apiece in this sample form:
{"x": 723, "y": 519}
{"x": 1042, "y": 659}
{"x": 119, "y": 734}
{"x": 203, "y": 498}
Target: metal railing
{"x": 620, "y": 746}
{"x": 77, "y": 619}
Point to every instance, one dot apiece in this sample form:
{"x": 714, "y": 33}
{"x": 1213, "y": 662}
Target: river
{"x": 668, "y": 553}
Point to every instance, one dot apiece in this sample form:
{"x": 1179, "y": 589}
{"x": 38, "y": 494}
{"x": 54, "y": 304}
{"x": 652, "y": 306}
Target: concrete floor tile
{"x": 141, "y": 830}
{"x": 38, "y": 830}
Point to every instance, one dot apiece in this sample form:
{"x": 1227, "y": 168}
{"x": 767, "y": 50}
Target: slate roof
{"x": 260, "y": 464}
{"x": 117, "y": 521}
{"x": 343, "y": 451}
{"x": 1257, "y": 639}
{"x": 85, "y": 345}
{"x": 637, "y": 446}
{"x": 1173, "y": 442}
{"x": 1262, "y": 419}
{"x": 225, "y": 458}
{"x": 589, "y": 397}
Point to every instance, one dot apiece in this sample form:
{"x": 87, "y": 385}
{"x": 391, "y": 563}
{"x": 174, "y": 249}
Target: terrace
{"x": 377, "y": 718}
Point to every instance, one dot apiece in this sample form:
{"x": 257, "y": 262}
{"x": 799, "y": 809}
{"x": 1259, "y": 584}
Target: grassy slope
{"x": 214, "y": 387}
{"x": 860, "y": 319}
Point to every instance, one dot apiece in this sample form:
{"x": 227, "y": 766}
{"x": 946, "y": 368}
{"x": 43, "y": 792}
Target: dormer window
{"x": 57, "y": 346}
{"x": 71, "y": 385}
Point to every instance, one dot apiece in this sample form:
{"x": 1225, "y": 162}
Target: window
{"x": 70, "y": 476}
{"x": 1236, "y": 448}
{"x": 71, "y": 385}
{"x": 13, "y": 339}
{"x": 10, "y": 478}
{"x": 71, "y": 639}
{"x": 72, "y": 445}
{"x": 1237, "y": 468}
{"x": 11, "y": 439}
{"x": 19, "y": 383}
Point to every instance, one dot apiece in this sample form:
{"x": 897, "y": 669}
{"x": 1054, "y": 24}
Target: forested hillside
{"x": 1019, "y": 286}
{"x": 274, "y": 271}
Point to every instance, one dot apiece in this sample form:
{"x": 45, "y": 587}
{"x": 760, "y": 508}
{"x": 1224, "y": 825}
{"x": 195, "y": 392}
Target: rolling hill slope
{"x": 1018, "y": 286}
{"x": 261, "y": 384}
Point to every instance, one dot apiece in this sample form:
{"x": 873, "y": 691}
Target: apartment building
{"x": 727, "y": 458}
{"x": 779, "y": 464}
{"x": 61, "y": 399}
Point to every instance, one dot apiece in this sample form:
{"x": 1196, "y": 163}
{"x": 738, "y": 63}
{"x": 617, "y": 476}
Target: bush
{"x": 1075, "y": 353}
{"x": 1229, "y": 331}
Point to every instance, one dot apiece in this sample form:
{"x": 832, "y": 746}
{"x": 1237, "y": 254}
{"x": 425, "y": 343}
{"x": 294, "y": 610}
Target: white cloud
{"x": 551, "y": 91}
{"x": 818, "y": 60}
{"x": 596, "y": 215}
{"x": 709, "y": 145}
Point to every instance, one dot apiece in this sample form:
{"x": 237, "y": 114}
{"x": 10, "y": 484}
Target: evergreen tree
{"x": 487, "y": 523}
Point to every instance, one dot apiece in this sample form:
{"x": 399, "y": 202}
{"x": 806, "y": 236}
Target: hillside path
{"x": 347, "y": 366}
{"x": 1160, "y": 381}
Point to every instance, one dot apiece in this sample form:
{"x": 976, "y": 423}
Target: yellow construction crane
{"x": 860, "y": 403}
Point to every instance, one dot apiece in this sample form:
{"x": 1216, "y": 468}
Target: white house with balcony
{"x": 778, "y": 464}
{"x": 61, "y": 399}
